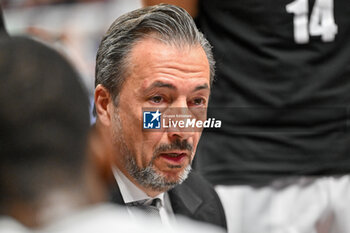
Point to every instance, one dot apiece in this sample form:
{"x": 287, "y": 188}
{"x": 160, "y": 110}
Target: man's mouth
{"x": 174, "y": 157}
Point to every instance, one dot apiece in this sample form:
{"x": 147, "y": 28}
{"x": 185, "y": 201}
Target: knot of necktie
{"x": 156, "y": 202}
{"x": 149, "y": 207}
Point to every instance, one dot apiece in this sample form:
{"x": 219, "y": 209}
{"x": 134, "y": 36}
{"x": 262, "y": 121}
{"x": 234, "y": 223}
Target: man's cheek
{"x": 195, "y": 144}
{"x": 153, "y": 138}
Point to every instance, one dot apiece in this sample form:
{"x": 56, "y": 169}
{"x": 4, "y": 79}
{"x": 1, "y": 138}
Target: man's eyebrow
{"x": 201, "y": 87}
{"x": 160, "y": 84}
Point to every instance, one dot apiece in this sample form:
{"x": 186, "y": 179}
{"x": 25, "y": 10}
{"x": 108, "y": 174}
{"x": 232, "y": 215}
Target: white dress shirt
{"x": 131, "y": 193}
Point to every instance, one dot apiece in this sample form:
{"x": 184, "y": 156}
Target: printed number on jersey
{"x": 321, "y": 20}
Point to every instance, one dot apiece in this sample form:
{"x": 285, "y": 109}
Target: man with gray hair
{"x": 155, "y": 58}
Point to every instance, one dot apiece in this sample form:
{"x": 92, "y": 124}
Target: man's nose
{"x": 181, "y": 135}
{"x": 179, "y": 129}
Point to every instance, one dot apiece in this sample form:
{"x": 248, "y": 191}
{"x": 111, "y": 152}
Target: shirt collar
{"x": 129, "y": 191}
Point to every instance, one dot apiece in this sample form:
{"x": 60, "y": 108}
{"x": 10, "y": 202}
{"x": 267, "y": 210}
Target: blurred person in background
{"x": 281, "y": 161}
{"x": 74, "y": 27}
{"x": 47, "y": 182}
{"x": 44, "y": 127}
{"x": 155, "y": 57}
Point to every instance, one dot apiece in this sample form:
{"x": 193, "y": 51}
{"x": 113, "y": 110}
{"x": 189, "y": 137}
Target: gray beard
{"x": 148, "y": 176}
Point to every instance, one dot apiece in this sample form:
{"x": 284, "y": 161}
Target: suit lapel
{"x": 184, "y": 201}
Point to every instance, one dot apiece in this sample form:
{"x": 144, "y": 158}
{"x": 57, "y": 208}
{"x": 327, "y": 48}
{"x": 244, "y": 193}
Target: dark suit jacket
{"x": 194, "y": 198}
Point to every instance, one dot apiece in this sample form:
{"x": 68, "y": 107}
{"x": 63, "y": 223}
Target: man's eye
{"x": 156, "y": 99}
{"x": 198, "y": 101}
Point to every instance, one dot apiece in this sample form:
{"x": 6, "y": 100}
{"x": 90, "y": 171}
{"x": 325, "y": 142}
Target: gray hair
{"x": 170, "y": 24}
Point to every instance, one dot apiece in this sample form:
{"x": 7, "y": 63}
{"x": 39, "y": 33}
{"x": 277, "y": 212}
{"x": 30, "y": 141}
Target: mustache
{"x": 176, "y": 145}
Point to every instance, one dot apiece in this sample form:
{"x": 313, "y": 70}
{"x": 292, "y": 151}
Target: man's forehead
{"x": 150, "y": 49}
{"x": 150, "y": 56}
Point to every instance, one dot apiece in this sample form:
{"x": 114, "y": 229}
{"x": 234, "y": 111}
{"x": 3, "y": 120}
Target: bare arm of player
{"x": 191, "y": 6}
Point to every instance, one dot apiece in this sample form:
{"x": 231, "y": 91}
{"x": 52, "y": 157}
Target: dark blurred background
{"x": 74, "y": 27}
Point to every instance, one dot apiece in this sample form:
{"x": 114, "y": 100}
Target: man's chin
{"x": 163, "y": 187}
{"x": 167, "y": 180}
{"x": 175, "y": 175}
{"x": 158, "y": 178}
{"x": 172, "y": 177}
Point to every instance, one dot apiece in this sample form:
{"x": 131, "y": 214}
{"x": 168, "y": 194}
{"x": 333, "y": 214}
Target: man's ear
{"x": 102, "y": 101}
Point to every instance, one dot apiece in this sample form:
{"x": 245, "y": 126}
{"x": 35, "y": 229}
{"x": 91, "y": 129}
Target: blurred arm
{"x": 191, "y": 6}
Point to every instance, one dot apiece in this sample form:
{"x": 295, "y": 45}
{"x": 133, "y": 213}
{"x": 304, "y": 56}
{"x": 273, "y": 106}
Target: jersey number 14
{"x": 321, "y": 20}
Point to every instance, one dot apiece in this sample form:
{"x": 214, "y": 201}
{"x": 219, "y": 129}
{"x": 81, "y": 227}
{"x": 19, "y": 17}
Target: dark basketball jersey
{"x": 282, "y": 89}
